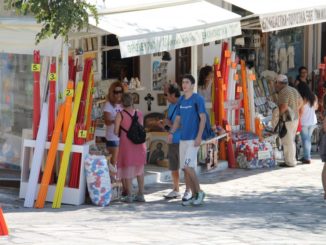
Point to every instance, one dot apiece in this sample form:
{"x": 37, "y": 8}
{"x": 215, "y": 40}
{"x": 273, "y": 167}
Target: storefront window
{"x": 16, "y": 100}
{"x": 286, "y": 51}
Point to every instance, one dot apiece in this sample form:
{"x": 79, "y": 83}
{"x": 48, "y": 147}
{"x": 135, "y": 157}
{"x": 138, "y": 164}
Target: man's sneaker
{"x": 188, "y": 202}
{"x": 199, "y": 198}
{"x": 172, "y": 194}
{"x": 186, "y": 196}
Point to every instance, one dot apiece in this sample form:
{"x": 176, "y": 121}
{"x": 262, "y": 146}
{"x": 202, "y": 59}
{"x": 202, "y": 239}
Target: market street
{"x": 283, "y": 206}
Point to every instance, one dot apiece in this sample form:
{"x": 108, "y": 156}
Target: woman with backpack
{"x": 131, "y": 156}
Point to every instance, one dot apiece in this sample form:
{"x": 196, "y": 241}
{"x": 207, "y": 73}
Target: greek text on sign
{"x": 264, "y": 155}
{"x": 36, "y": 67}
{"x": 129, "y": 48}
{"x": 273, "y": 22}
{"x": 232, "y": 104}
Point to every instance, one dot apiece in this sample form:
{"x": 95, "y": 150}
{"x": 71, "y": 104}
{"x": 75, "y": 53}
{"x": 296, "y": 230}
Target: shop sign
{"x": 273, "y": 22}
{"x": 264, "y": 155}
{"x": 153, "y": 44}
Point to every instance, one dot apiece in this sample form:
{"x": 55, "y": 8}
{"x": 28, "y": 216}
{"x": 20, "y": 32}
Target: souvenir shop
{"x": 143, "y": 63}
{"x": 36, "y": 80}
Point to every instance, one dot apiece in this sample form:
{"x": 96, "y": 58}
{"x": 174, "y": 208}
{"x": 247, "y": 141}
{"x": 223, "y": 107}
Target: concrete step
{"x": 155, "y": 174}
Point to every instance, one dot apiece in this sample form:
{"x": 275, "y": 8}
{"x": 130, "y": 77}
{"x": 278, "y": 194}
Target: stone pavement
{"x": 279, "y": 206}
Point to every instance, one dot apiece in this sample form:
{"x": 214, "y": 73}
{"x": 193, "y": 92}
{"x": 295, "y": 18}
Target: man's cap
{"x": 282, "y": 78}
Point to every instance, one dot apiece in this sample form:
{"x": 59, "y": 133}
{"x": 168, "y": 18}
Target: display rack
{"x": 74, "y": 196}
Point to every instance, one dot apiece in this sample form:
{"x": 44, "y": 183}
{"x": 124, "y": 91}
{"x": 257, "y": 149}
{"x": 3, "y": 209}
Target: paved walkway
{"x": 280, "y": 206}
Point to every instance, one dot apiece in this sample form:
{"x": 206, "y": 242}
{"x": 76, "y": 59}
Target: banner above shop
{"x": 161, "y": 29}
{"x": 178, "y": 40}
{"x": 279, "y": 14}
{"x": 274, "y": 22}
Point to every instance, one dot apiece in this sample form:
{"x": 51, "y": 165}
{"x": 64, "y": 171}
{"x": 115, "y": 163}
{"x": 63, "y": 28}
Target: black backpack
{"x": 136, "y": 133}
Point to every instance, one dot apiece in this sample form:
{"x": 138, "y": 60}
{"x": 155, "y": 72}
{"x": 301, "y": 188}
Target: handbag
{"x": 281, "y": 128}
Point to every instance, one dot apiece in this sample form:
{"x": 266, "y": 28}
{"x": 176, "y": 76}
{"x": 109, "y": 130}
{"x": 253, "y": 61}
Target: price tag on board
{"x": 253, "y": 77}
{"x": 82, "y": 134}
{"x": 52, "y": 76}
{"x": 36, "y": 67}
{"x": 69, "y": 92}
{"x": 236, "y": 77}
{"x": 91, "y": 130}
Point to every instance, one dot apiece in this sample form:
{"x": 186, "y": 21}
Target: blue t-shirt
{"x": 189, "y": 116}
{"x": 172, "y": 113}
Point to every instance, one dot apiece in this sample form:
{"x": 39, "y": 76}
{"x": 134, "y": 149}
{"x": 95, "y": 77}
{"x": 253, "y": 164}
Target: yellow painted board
{"x": 67, "y": 149}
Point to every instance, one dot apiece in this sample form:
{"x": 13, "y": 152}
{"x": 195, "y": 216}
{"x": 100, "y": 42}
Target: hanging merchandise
{"x": 245, "y": 95}
{"x": 251, "y": 77}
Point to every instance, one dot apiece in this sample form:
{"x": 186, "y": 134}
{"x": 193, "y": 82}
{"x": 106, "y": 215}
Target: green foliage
{"x": 58, "y": 17}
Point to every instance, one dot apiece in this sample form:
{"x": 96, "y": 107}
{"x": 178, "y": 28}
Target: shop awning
{"x": 17, "y": 35}
{"x": 281, "y": 14}
{"x": 159, "y": 29}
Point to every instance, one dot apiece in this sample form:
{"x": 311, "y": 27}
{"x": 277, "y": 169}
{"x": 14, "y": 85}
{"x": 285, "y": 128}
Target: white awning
{"x": 17, "y": 35}
{"x": 281, "y": 14}
{"x": 172, "y": 27}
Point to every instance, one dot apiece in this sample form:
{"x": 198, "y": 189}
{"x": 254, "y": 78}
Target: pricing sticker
{"x": 53, "y": 76}
{"x": 36, "y": 67}
{"x": 236, "y": 77}
{"x": 69, "y": 92}
{"x": 82, "y": 134}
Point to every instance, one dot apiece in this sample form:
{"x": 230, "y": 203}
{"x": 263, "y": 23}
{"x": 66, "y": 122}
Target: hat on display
{"x": 282, "y": 78}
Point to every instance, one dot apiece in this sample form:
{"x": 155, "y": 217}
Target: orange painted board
{"x": 50, "y": 160}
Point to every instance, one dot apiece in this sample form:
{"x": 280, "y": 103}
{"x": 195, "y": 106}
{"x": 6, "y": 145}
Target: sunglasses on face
{"x": 118, "y": 92}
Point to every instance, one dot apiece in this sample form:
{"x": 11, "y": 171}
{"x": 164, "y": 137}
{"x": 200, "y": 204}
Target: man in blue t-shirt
{"x": 191, "y": 118}
{"x": 172, "y": 94}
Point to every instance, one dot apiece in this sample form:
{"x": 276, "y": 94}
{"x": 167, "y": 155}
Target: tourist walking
{"x": 191, "y": 129}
